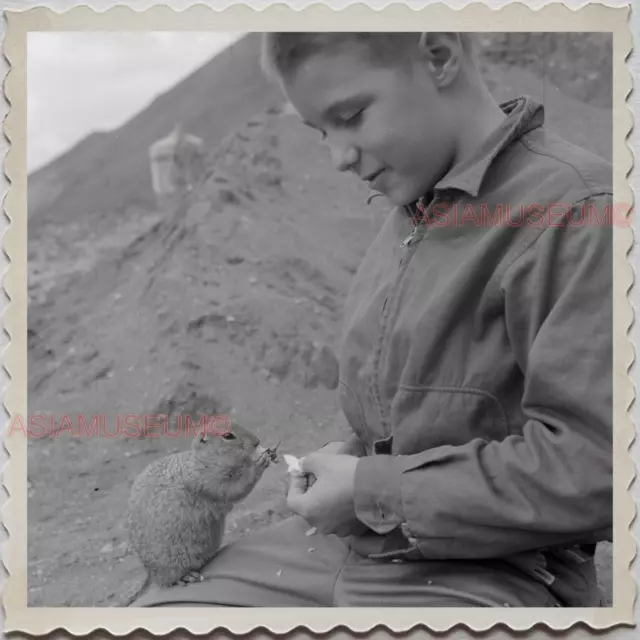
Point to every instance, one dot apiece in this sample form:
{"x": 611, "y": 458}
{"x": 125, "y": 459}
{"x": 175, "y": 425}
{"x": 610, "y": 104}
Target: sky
{"x": 80, "y": 82}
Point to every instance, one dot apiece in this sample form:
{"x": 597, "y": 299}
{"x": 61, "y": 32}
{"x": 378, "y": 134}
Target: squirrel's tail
{"x": 134, "y": 597}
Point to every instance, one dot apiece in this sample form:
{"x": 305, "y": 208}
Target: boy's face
{"x": 390, "y": 126}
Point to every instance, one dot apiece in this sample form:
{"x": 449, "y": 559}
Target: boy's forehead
{"x": 328, "y": 79}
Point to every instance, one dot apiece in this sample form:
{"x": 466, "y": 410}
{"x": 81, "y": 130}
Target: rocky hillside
{"x": 107, "y": 173}
{"x": 232, "y": 304}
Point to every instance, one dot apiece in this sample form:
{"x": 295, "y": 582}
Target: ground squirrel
{"x": 178, "y": 505}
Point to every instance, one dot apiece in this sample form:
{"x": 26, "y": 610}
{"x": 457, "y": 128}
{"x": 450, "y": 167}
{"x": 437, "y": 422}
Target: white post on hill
{"x": 177, "y": 162}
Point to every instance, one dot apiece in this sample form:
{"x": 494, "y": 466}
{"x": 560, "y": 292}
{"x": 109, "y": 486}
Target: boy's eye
{"x": 350, "y": 117}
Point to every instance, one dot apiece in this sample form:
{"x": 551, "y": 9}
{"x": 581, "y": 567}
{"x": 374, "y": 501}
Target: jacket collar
{"x": 523, "y": 115}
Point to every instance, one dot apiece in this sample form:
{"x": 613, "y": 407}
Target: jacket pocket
{"x": 426, "y": 417}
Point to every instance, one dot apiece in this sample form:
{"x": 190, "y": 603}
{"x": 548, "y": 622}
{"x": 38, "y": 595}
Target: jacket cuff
{"x": 377, "y": 493}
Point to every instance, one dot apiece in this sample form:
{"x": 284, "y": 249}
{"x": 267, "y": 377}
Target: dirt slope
{"x": 231, "y": 305}
{"x": 223, "y": 308}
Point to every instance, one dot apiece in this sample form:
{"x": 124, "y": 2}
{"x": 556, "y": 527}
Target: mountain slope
{"x": 108, "y": 172}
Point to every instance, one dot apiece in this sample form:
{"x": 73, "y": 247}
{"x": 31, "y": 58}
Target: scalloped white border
{"x": 474, "y": 16}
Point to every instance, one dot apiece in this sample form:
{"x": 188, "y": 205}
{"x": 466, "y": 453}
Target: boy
{"x": 476, "y": 362}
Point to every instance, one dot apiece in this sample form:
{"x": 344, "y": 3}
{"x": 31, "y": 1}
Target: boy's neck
{"x": 481, "y": 115}
{"x": 478, "y": 112}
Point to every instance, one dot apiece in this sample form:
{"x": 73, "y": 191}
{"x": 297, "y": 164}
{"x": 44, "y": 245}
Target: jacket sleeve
{"x": 551, "y": 485}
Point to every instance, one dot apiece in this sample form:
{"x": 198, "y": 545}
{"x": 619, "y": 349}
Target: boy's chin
{"x": 401, "y": 192}
{"x": 401, "y": 197}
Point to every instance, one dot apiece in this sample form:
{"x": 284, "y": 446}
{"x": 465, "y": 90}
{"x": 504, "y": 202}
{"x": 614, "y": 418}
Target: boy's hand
{"x": 328, "y": 504}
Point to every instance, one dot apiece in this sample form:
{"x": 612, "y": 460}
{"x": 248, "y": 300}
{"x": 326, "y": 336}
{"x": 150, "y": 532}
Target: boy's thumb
{"x": 298, "y": 485}
{"x": 312, "y": 463}
{"x": 296, "y": 494}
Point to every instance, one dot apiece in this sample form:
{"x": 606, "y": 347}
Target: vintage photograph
{"x": 190, "y": 269}
{"x": 320, "y": 319}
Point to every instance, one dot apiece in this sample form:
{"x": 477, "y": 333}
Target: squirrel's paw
{"x": 191, "y": 577}
{"x": 264, "y": 460}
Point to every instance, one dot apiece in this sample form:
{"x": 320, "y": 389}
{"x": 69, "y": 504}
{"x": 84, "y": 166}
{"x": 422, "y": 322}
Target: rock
{"x": 209, "y": 319}
{"x": 228, "y": 197}
{"x": 199, "y": 211}
{"x": 309, "y": 379}
{"x": 236, "y": 336}
{"x": 268, "y": 179}
{"x": 103, "y": 372}
{"x": 306, "y": 351}
{"x": 292, "y": 349}
{"x": 90, "y": 355}
{"x": 324, "y": 365}
{"x": 328, "y": 302}
{"x": 277, "y": 361}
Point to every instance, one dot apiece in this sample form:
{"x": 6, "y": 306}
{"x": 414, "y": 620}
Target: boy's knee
{"x": 276, "y": 565}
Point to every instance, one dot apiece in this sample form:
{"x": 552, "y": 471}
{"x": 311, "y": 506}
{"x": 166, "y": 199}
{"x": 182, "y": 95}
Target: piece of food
{"x": 294, "y": 465}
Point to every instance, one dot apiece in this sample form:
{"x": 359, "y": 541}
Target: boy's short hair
{"x": 283, "y": 52}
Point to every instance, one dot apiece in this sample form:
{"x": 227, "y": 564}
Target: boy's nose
{"x": 344, "y": 157}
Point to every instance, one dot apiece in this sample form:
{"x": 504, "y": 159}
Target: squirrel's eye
{"x": 229, "y": 436}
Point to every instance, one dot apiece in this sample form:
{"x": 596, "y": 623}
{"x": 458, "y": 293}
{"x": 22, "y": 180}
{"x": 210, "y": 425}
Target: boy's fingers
{"x": 298, "y": 485}
{"x": 296, "y": 495}
{"x": 313, "y": 463}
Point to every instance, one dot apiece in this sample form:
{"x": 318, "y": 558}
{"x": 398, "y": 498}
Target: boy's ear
{"x": 443, "y": 53}
{"x": 440, "y": 46}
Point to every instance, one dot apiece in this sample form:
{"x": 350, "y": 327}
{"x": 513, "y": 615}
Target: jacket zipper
{"x": 409, "y": 245}
{"x": 418, "y": 232}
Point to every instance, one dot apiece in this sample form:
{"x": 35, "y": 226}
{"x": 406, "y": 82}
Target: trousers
{"x": 281, "y": 566}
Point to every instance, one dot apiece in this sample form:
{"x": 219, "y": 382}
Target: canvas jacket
{"x": 476, "y": 359}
